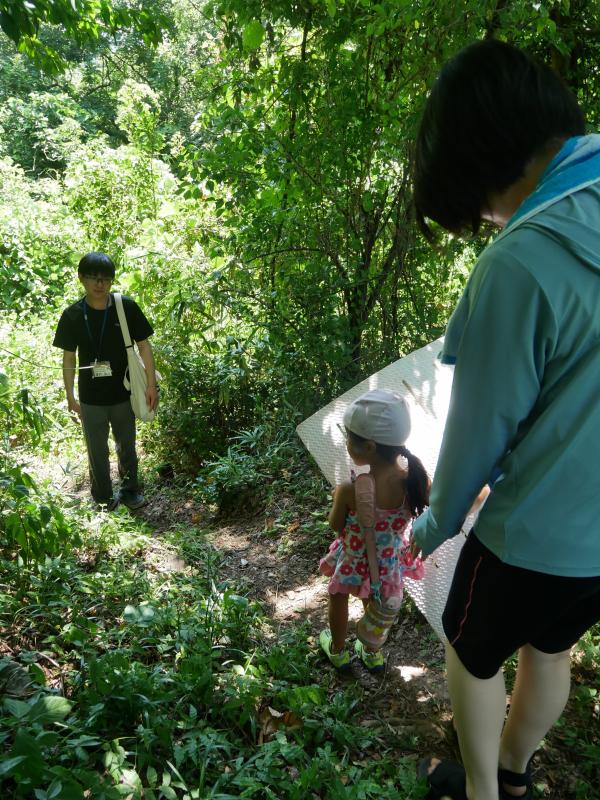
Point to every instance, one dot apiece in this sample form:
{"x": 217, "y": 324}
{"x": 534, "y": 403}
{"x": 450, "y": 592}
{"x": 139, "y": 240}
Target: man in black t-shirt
{"x": 90, "y": 331}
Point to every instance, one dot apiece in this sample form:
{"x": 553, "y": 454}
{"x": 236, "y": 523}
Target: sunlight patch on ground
{"x": 409, "y": 673}
{"x": 302, "y": 600}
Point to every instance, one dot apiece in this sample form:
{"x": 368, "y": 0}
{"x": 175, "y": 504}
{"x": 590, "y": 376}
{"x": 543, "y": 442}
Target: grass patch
{"x": 138, "y": 681}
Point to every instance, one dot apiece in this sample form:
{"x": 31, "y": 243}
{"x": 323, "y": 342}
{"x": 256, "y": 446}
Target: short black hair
{"x": 97, "y": 264}
{"x": 491, "y": 110}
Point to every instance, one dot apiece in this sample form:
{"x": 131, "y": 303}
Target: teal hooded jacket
{"x": 524, "y": 412}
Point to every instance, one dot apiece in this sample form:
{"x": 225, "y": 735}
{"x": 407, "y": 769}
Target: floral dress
{"x": 347, "y": 564}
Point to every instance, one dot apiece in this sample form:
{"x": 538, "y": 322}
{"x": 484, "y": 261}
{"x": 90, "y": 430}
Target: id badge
{"x": 101, "y": 369}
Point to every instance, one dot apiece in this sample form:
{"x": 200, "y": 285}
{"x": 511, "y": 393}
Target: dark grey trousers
{"x": 96, "y": 421}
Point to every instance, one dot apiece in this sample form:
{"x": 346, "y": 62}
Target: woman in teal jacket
{"x": 501, "y": 139}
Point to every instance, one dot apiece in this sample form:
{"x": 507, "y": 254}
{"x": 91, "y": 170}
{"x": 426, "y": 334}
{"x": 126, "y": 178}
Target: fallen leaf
{"x": 369, "y": 723}
{"x": 272, "y": 720}
{"x": 14, "y": 679}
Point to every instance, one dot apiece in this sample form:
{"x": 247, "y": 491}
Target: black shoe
{"x": 132, "y": 500}
{"x": 447, "y": 778}
{"x": 516, "y": 779}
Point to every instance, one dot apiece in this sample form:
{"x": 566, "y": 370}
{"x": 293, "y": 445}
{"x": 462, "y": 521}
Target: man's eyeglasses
{"x": 103, "y": 279}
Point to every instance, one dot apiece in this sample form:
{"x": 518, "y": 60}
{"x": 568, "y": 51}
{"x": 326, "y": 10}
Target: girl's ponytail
{"x": 417, "y": 483}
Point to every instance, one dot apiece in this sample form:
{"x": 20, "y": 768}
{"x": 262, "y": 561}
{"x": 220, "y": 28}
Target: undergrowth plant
{"x": 165, "y": 685}
{"x": 127, "y": 679}
{"x": 32, "y": 523}
{"x": 257, "y": 464}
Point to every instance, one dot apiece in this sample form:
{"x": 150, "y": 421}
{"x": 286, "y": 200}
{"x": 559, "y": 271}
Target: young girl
{"x": 377, "y": 425}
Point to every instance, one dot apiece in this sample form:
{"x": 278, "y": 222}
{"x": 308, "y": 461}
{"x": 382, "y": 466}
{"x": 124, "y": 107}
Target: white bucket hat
{"x": 380, "y": 416}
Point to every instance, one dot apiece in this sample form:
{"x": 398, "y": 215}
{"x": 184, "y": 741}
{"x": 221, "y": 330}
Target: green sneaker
{"x": 340, "y": 661}
{"x": 372, "y": 659}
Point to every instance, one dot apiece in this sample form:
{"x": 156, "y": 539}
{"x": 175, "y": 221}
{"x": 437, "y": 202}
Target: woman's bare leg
{"x": 540, "y": 694}
{"x": 479, "y": 707}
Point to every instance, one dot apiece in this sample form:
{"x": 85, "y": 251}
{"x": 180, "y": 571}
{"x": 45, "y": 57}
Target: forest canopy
{"x": 248, "y": 165}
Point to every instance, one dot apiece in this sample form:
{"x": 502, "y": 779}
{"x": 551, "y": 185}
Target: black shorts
{"x": 494, "y": 608}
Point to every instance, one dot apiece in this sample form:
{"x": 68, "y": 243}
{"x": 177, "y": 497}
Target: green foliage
{"x": 40, "y": 132}
{"x": 113, "y": 192}
{"x": 306, "y": 157}
{"x": 251, "y": 178}
{"x": 33, "y": 406}
{"x": 138, "y": 116}
{"x": 19, "y": 76}
{"x": 32, "y": 524}
{"x": 32, "y": 527}
{"x": 210, "y": 396}
{"x": 38, "y": 241}
{"x": 261, "y": 207}
{"x": 305, "y": 153}
{"x": 241, "y": 477}
{"x": 170, "y": 679}
{"x": 165, "y": 691}
{"x": 23, "y": 420}
{"x": 84, "y": 20}
{"x": 588, "y": 650}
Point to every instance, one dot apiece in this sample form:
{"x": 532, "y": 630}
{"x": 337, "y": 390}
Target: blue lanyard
{"x": 87, "y": 325}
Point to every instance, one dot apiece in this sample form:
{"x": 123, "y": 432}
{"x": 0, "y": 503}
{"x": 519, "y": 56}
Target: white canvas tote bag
{"x": 135, "y": 379}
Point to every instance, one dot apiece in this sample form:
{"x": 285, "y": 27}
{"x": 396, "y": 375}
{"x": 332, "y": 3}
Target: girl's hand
{"x": 341, "y": 503}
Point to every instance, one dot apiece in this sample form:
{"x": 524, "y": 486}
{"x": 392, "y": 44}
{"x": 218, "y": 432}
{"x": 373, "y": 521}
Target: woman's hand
{"x": 415, "y": 550}
{"x": 480, "y": 499}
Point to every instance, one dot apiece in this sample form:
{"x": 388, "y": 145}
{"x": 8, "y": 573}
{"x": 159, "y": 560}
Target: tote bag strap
{"x": 122, "y": 319}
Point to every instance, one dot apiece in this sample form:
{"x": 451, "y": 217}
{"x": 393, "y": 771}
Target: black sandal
{"x": 516, "y": 779}
{"x": 448, "y": 778}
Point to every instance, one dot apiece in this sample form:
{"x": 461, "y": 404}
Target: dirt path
{"x": 276, "y": 564}
{"x": 279, "y": 569}
{"x": 410, "y": 702}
